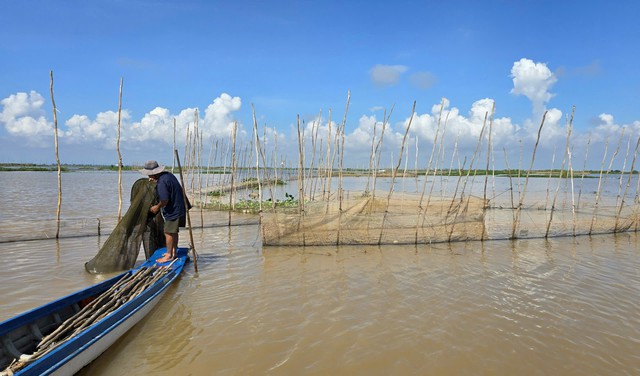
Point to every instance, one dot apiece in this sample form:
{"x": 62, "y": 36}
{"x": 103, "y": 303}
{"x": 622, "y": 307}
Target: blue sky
{"x": 291, "y": 58}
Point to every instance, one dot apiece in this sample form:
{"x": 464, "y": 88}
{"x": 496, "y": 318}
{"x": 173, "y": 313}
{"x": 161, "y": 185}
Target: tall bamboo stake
{"x": 584, "y": 169}
{"x": 341, "y": 160}
{"x": 560, "y": 179}
{"x": 173, "y": 166}
{"x": 471, "y": 166}
{"x": 473, "y": 158}
{"x": 395, "y": 171}
{"x": 433, "y": 149}
{"x": 573, "y": 201}
{"x": 415, "y": 167}
{"x": 626, "y": 190}
{"x": 330, "y": 157}
{"x": 423, "y": 210}
{"x": 486, "y": 175}
{"x": 378, "y": 153}
{"x": 371, "y": 157}
{"x": 301, "y": 181}
{"x": 233, "y": 169}
{"x": 506, "y": 161}
{"x": 55, "y": 144}
{"x": 606, "y": 175}
{"x": 553, "y": 162}
{"x": 184, "y": 196}
{"x": 341, "y": 163}
{"x": 119, "y": 155}
{"x": 524, "y": 191}
{"x": 200, "y": 181}
{"x": 257, "y": 146}
{"x": 624, "y": 166}
{"x": 595, "y": 204}
{"x": 300, "y": 169}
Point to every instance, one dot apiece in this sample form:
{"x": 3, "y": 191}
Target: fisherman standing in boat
{"x": 171, "y": 203}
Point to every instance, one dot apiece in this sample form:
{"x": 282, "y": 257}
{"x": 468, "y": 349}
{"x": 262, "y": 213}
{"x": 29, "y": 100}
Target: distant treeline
{"x": 64, "y": 168}
{"x": 554, "y": 173}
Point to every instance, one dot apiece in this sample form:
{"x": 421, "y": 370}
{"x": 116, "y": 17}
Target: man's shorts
{"x": 171, "y": 227}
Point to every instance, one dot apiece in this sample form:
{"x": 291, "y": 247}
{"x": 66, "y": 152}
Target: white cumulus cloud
{"x": 385, "y": 75}
{"x": 23, "y": 115}
{"x": 533, "y": 80}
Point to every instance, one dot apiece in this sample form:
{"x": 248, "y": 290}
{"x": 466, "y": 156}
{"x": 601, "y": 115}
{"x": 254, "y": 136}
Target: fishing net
{"x": 364, "y": 219}
{"x": 137, "y": 227}
{"x": 409, "y": 218}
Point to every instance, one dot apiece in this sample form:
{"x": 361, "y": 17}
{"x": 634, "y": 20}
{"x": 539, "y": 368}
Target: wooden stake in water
{"x": 55, "y": 143}
{"x": 626, "y": 190}
{"x": 395, "y": 171}
{"x": 184, "y": 196}
{"x": 526, "y": 181}
{"x": 119, "y": 154}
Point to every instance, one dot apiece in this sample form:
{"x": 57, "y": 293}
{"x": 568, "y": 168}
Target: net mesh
{"x": 136, "y": 227}
{"x": 405, "y": 218}
{"x": 400, "y": 219}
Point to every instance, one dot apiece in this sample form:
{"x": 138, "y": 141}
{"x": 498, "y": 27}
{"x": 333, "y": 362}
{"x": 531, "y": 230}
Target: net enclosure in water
{"x": 366, "y": 219}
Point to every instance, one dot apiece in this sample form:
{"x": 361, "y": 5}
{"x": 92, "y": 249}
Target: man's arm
{"x": 156, "y": 208}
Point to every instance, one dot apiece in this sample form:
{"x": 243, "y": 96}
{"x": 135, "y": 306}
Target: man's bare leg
{"x": 172, "y": 245}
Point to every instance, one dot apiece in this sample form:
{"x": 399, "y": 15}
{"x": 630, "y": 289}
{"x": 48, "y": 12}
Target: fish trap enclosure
{"x": 365, "y": 219}
{"x": 407, "y": 219}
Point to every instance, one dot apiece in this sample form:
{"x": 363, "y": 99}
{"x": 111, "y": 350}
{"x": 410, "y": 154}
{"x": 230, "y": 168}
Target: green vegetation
{"x": 63, "y": 168}
{"x": 253, "y": 206}
{"x": 30, "y": 167}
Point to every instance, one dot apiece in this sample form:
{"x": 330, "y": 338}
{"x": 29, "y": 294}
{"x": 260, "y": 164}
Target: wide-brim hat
{"x": 151, "y": 168}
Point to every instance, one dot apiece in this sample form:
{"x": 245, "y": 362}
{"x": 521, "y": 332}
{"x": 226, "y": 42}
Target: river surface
{"x": 562, "y": 306}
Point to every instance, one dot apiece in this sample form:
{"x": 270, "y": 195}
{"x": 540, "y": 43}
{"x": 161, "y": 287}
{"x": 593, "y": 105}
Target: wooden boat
{"x": 61, "y": 337}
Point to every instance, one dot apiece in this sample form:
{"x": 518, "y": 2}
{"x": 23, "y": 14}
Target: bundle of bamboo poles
{"x": 124, "y": 290}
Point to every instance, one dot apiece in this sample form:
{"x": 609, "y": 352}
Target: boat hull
{"x": 76, "y": 352}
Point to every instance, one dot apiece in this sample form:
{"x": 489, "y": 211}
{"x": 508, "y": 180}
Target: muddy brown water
{"x": 566, "y": 306}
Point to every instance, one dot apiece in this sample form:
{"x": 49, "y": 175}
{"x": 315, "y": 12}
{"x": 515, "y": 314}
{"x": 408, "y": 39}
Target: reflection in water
{"x": 565, "y": 306}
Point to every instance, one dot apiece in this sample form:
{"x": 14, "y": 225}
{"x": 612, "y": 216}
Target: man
{"x": 171, "y": 203}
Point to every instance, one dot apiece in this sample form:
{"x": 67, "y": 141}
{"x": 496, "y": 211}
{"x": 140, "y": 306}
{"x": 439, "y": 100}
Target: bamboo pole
{"x": 340, "y": 165}
{"x": 300, "y": 169}
{"x": 301, "y": 180}
{"x": 257, "y": 146}
{"x": 573, "y": 200}
{"x": 524, "y": 191}
{"x": 341, "y": 160}
{"x": 606, "y": 175}
{"x": 200, "y": 181}
{"x": 173, "y": 166}
{"x": 233, "y": 169}
{"x": 184, "y": 196}
{"x": 473, "y": 158}
{"x": 433, "y": 149}
{"x": 626, "y": 190}
{"x": 330, "y": 157}
{"x": 584, "y": 169}
{"x": 395, "y": 172}
{"x": 464, "y": 185}
{"x": 553, "y": 162}
{"x": 486, "y": 174}
{"x": 119, "y": 154}
{"x": 55, "y": 144}
{"x": 595, "y": 204}
{"x": 378, "y": 151}
{"x": 506, "y": 161}
{"x": 624, "y": 166}
{"x": 560, "y": 179}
